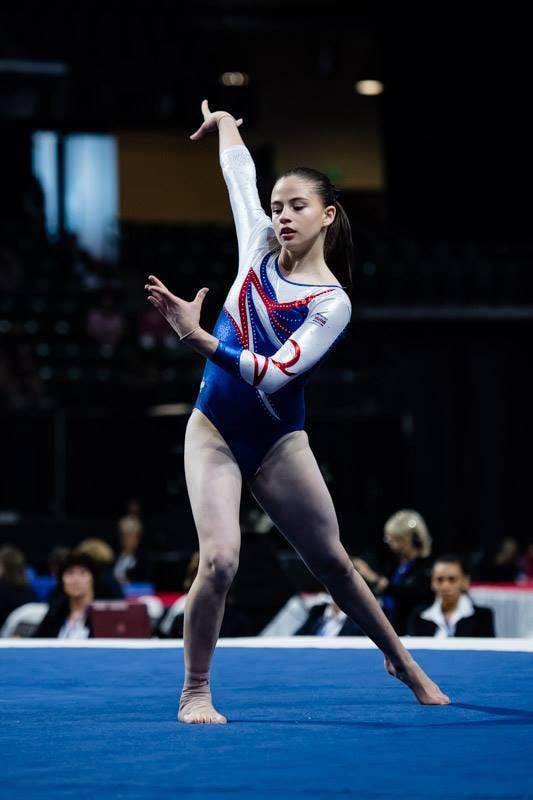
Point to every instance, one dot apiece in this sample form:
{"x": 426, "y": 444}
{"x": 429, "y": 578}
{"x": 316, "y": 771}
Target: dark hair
{"x": 338, "y": 246}
{"x": 77, "y": 560}
{"x": 452, "y": 558}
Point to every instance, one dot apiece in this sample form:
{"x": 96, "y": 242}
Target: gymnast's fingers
{"x": 155, "y": 281}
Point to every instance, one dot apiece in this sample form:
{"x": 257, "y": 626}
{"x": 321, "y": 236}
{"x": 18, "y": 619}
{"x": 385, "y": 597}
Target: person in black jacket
{"x": 453, "y": 612}
{"x": 327, "y": 619}
{"x": 68, "y": 615}
{"x": 405, "y": 584}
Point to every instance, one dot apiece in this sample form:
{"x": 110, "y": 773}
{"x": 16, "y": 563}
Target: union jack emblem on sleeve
{"x": 319, "y": 319}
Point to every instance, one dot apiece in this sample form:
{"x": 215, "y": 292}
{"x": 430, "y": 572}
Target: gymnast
{"x": 284, "y": 312}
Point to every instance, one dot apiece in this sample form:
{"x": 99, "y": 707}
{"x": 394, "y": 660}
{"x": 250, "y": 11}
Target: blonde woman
{"x": 407, "y": 584}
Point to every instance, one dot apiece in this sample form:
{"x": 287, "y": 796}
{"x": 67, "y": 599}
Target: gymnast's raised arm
{"x": 238, "y": 169}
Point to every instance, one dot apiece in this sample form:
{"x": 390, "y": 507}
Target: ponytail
{"x": 338, "y": 245}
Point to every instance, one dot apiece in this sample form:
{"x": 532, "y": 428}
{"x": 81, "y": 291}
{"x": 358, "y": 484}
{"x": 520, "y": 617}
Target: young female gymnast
{"x": 283, "y": 313}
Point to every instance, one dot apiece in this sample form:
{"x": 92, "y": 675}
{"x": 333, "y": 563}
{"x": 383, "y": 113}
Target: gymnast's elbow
{"x": 272, "y": 383}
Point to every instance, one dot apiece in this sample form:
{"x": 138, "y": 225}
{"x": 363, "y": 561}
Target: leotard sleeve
{"x": 252, "y": 224}
{"x": 328, "y": 316}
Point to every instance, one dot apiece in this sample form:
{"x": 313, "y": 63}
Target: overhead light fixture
{"x": 234, "y": 79}
{"x": 369, "y": 88}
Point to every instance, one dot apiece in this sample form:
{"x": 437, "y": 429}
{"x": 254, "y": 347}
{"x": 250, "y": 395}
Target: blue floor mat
{"x": 304, "y": 723}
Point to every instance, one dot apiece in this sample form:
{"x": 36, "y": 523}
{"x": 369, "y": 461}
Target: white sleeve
{"x": 252, "y": 224}
{"x": 328, "y": 317}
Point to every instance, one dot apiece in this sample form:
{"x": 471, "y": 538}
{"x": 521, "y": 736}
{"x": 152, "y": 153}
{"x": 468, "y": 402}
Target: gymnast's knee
{"x": 219, "y": 568}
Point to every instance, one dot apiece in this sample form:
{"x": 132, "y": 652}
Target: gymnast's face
{"x": 298, "y": 214}
{"x": 448, "y": 581}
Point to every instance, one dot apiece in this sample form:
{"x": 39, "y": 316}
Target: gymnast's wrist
{"x": 223, "y": 116}
{"x": 200, "y": 340}
{"x": 192, "y": 336}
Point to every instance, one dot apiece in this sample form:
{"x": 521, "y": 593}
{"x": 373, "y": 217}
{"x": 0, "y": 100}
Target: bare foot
{"x": 425, "y": 690}
{"x": 196, "y": 707}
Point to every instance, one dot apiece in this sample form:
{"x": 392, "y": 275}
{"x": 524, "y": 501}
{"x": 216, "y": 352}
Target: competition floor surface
{"x": 308, "y": 719}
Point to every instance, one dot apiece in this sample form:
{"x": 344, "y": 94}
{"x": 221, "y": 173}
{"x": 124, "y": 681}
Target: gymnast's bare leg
{"x": 214, "y": 484}
{"x": 292, "y": 491}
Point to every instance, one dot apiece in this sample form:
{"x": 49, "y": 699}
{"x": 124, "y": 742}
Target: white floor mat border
{"x": 288, "y": 642}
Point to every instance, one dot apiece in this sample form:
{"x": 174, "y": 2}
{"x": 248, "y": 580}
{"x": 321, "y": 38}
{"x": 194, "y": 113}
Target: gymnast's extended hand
{"x": 211, "y": 121}
{"x": 182, "y": 315}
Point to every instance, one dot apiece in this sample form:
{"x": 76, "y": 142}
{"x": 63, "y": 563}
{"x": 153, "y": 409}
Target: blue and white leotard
{"x": 272, "y": 333}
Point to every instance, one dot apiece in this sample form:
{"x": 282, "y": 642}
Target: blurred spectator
{"x": 105, "y": 323}
{"x": 406, "y": 582}
{"x": 453, "y": 612}
{"x": 106, "y": 587}
{"x": 327, "y": 619}
{"x": 132, "y": 564}
{"x": 504, "y": 564}
{"x": 68, "y": 615}
{"x": 14, "y": 587}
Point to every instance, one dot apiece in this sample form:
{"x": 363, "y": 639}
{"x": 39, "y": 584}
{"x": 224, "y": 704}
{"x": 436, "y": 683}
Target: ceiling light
{"x": 369, "y": 87}
{"x": 234, "y": 78}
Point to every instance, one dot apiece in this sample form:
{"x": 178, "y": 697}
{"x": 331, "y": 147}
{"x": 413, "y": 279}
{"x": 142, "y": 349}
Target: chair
{"x": 24, "y": 620}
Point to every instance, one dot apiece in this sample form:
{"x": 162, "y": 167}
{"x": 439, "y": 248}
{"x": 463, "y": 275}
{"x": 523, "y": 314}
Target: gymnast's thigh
{"x": 214, "y": 484}
{"x": 291, "y": 490}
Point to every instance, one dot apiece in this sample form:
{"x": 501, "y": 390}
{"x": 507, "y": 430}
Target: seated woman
{"x": 67, "y": 617}
{"x": 405, "y": 582}
{"x": 452, "y": 613}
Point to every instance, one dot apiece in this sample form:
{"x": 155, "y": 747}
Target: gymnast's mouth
{"x": 287, "y": 232}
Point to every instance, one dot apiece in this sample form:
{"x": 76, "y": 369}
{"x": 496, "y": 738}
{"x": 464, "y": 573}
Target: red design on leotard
{"x": 258, "y": 376}
{"x": 271, "y": 305}
{"x": 282, "y": 365}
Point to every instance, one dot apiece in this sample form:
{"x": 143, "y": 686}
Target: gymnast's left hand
{"x": 182, "y": 315}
